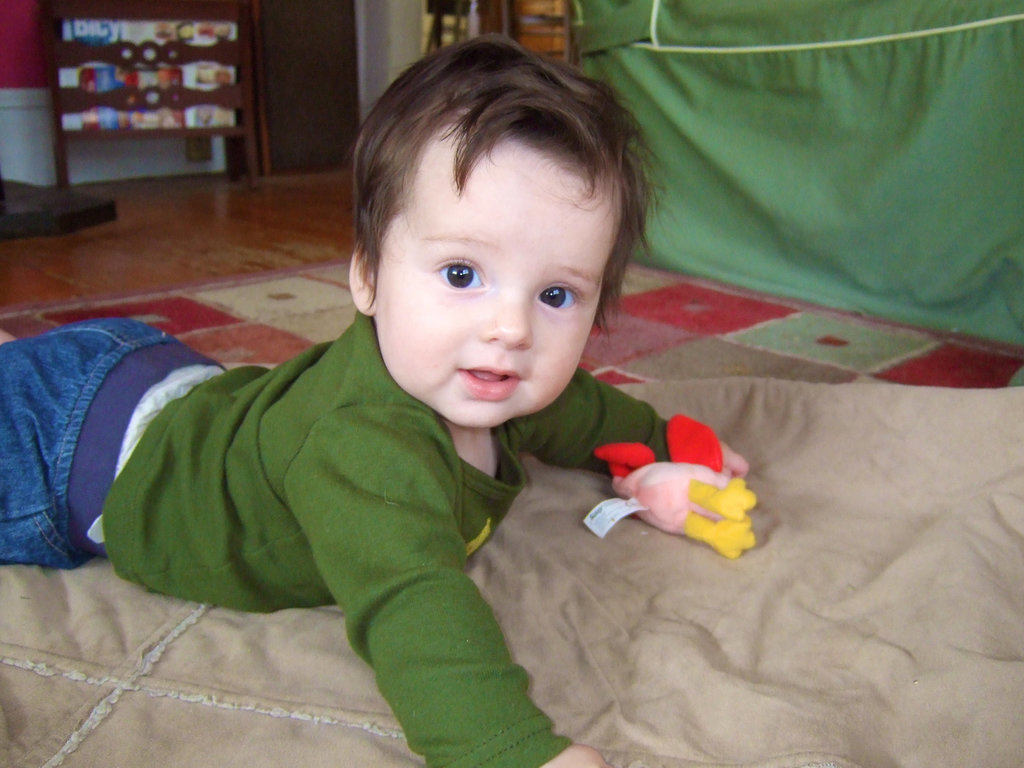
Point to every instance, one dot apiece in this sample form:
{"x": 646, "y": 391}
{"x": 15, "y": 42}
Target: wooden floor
{"x": 174, "y": 231}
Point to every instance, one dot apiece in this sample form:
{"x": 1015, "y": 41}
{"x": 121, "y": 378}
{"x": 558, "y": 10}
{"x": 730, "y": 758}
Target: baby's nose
{"x": 510, "y": 324}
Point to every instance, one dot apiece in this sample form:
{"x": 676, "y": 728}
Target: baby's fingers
{"x": 733, "y": 463}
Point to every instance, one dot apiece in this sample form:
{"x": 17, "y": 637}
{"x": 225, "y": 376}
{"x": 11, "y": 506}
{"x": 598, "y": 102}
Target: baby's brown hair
{"x": 481, "y": 93}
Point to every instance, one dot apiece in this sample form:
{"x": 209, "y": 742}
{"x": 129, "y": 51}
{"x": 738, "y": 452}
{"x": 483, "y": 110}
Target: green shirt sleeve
{"x": 589, "y": 413}
{"x": 394, "y": 559}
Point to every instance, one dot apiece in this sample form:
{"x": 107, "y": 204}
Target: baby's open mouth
{"x": 488, "y": 375}
{"x": 484, "y": 384}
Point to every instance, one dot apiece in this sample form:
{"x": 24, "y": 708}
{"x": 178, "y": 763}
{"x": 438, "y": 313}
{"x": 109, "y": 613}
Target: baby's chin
{"x": 470, "y": 414}
{"x": 473, "y": 421}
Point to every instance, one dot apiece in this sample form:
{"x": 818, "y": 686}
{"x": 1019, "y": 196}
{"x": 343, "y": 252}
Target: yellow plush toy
{"x": 697, "y": 508}
{"x": 732, "y": 535}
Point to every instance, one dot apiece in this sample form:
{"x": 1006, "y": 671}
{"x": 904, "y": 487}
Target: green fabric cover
{"x": 864, "y": 155}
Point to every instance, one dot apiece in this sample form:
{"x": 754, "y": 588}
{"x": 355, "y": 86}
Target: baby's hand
{"x": 733, "y": 464}
{"x": 663, "y": 488}
{"x": 577, "y": 756}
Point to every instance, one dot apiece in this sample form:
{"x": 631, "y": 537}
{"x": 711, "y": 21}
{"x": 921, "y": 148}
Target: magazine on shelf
{"x": 99, "y": 77}
{"x": 110, "y": 119}
{"x": 113, "y": 31}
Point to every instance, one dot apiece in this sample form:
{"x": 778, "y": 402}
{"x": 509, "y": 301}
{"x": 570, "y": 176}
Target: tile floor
{"x": 669, "y": 327}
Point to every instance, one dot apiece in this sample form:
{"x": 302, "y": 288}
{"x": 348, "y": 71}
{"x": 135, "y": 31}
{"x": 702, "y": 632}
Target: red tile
{"x": 702, "y": 310}
{"x": 629, "y": 338}
{"x": 174, "y": 315}
{"x": 616, "y": 378}
{"x": 23, "y": 326}
{"x": 952, "y": 365}
{"x": 247, "y": 343}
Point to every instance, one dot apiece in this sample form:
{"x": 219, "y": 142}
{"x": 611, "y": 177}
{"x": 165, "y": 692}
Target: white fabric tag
{"x": 606, "y": 514}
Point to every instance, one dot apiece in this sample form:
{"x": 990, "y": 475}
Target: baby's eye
{"x": 461, "y": 276}
{"x": 557, "y": 297}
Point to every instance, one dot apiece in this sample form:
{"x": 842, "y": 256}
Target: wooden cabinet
{"x": 544, "y": 26}
{"x": 151, "y": 68}
{"x": 309, "y": 93}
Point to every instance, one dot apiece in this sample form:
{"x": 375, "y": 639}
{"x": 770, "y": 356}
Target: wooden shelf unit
{"x": 544, "y": 26}
{"x": 151, "y": 55}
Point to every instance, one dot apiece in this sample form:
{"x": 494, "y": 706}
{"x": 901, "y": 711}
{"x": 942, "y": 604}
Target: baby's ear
{"x": 360, "y": 283}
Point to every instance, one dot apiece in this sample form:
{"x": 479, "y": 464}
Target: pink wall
{"x": 21, "y": 45}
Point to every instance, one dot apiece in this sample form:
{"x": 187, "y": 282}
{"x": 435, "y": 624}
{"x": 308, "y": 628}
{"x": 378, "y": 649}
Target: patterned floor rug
{"x": 669, "y": 327}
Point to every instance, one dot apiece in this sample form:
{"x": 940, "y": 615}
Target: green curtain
{"x": 866, "y": 155}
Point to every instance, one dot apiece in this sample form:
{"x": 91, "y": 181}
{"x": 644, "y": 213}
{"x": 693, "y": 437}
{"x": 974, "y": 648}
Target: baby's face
{"x": 484, "y": 301}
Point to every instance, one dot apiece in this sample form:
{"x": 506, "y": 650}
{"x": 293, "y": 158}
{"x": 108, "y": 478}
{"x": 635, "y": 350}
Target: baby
{"x": 499, "y": 197}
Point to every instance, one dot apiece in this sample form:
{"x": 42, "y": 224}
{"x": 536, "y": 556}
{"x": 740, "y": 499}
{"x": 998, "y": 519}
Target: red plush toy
{"x": 678, "y": 501}
{"x": 689, "y": 442}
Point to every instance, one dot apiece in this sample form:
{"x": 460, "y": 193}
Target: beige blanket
{"x": 880, "y": 621}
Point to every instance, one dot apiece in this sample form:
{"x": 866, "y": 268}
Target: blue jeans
{"x": 47, "y": 384}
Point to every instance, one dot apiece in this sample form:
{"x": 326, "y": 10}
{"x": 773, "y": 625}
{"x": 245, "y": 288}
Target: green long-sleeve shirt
{"x": 321, "y": 481}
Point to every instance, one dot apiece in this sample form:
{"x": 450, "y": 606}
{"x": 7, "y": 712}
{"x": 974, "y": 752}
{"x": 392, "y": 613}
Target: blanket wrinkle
{"x": 996, "y": 528}
{"x": 1009, "y": 511}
